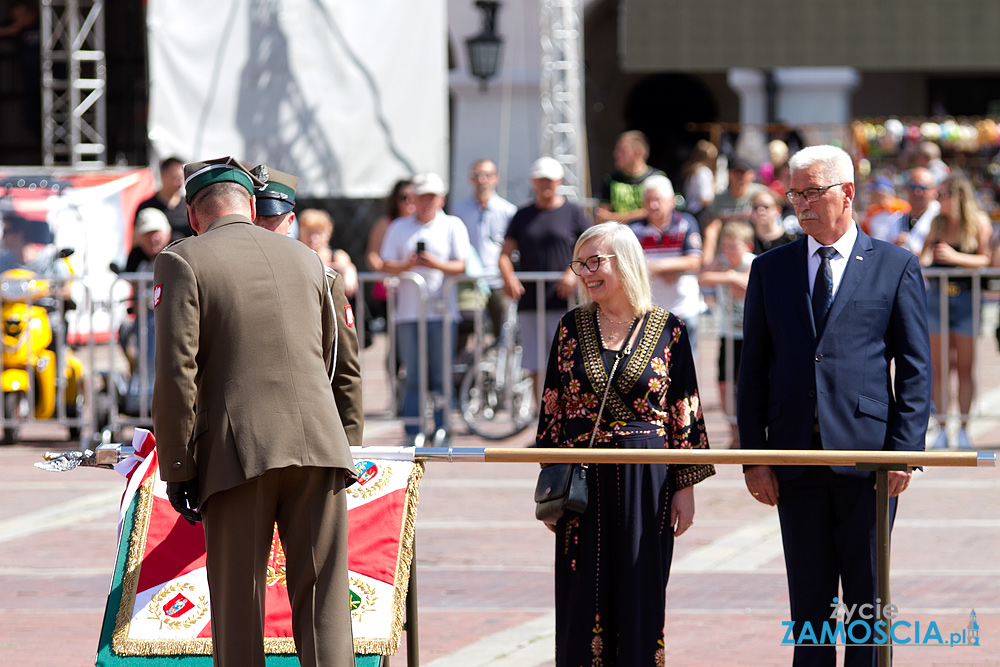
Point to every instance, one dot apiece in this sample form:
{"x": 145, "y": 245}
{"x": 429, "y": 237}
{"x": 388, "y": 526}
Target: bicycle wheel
{"x": 487, "y": 411}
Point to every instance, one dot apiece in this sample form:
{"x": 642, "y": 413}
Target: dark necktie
{"x": 822, "y": 296}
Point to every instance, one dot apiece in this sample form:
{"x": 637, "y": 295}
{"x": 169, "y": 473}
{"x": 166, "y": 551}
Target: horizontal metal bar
{"x": 110, "y": 454}
{"x": 446, "y": 454}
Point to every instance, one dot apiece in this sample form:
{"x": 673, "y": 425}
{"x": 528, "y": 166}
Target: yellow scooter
{"x": 29, "y": 362}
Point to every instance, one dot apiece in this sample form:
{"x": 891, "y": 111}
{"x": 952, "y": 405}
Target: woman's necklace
{"x": 613, "y": 332}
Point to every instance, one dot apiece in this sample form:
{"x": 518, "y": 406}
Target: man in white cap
{"x": 432, "y": 244}
{"x": 151, "y": 235}
{"x": 544, "y": 233}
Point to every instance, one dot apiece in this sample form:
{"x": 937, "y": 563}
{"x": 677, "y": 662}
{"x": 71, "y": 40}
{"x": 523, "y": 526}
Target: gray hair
{"x": 631, "y": 263}
{"x": 835, "y": 164}
{"x": 660, "y": 183}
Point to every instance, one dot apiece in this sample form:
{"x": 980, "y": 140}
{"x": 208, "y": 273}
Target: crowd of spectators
{"x": 699, "y": 243}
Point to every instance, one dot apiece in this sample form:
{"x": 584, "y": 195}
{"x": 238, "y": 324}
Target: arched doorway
{"x": 661, "y": 106}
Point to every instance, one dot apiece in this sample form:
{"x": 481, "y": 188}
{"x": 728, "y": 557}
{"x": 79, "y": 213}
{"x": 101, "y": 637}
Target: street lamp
{"x": 484, "y": 48}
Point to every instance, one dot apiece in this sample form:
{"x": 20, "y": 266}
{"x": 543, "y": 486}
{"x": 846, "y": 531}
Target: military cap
{"x": 199, "y": 175}
{"x": 277, "y": 194}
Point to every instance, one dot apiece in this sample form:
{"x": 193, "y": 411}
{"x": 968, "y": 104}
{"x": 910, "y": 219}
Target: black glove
{"x": 183, "y": 496}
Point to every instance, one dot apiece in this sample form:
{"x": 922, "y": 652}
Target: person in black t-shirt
{"x": 170, "y": 199}
{"x": 544, "y": 233}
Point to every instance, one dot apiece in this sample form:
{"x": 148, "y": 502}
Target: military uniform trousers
{"x": 310, "y": 508}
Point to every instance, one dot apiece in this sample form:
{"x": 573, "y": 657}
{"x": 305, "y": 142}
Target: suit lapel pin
{"x": 858, "y": 257}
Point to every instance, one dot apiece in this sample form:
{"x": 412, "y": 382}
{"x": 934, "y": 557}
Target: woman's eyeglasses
{"x": 592, "y": 264}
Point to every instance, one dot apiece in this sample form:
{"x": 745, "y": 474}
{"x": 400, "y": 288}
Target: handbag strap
{"x": 624, "y": 352}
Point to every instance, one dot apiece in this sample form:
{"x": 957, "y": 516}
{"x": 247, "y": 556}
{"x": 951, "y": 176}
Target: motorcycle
{"x": 32, "y": 372}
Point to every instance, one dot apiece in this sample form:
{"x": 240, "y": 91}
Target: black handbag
{"x": 561, "y": 491}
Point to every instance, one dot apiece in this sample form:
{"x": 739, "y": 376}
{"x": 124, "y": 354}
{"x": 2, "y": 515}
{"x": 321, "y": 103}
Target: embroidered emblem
{"x": 371, "y": 480}
{"x": 349, "y": 314}
{"x": 176, "y": 610}
{"x": 178, "y": 606}
{"x": 366, "y": 471}
{"x": 363, "y": 601}
{"x": 157, "y": 293}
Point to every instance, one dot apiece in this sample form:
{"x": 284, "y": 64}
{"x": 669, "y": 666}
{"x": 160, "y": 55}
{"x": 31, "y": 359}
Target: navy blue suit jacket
{"x": 788, "y": 377}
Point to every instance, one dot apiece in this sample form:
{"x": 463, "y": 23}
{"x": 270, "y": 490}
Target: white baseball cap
{"x": 151, "y": 220}
{"x": 549, "y": 168}
{"x": 429, "y": 184}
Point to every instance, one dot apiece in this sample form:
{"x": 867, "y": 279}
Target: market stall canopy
{"x": 888, "y": 35}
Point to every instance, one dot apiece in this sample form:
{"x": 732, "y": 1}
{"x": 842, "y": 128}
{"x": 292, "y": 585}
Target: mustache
{"x": 808, "y": 216}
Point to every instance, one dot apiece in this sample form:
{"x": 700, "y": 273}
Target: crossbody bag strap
{"x": 622, "y": 353}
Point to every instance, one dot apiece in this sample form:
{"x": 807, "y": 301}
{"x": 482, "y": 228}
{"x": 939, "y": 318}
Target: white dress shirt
{"x": 838, "y": 263}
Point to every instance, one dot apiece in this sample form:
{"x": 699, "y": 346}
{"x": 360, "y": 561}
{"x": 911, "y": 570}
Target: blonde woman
{"x": 959, "y": 237}
{"x": 612, "y": 561}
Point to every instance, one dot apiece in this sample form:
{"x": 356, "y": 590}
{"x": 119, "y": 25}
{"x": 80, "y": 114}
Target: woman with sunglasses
{"x": 612, "y": 561}
{"x": 399, "y": 204}
{"x": 959, "y": 237}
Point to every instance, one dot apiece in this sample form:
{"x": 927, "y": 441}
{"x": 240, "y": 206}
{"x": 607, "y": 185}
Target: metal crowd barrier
{"x": 124, "y": 402}
{"x": 55, "y": 307}
{"x": 109, "y": 416}
{"x": 931, "y": 275}
{"x": 945, "y": 277}
{"x": 536, "y": 280}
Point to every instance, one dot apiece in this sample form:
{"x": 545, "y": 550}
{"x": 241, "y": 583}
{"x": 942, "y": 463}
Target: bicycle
{"x": 496, "y": 394}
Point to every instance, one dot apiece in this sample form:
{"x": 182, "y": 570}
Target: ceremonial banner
{"x": 158, "y": 607}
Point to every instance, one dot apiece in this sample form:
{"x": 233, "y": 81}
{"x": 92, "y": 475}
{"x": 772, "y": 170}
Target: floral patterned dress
{"x": 613, "y": 561}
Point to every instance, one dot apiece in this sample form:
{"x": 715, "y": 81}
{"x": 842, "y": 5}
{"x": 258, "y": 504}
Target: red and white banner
{"x": 165, "y": 599}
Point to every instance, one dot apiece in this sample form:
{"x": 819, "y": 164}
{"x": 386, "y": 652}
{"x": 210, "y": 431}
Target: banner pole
{"x": 106, "y": 456}
{"x": 687, "y": 456}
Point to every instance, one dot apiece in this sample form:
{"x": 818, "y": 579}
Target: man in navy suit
{"x": 826, "y": 318}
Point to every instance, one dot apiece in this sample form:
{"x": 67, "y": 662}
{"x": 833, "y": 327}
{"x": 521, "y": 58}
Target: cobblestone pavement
{"x": 484, "y": 566}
